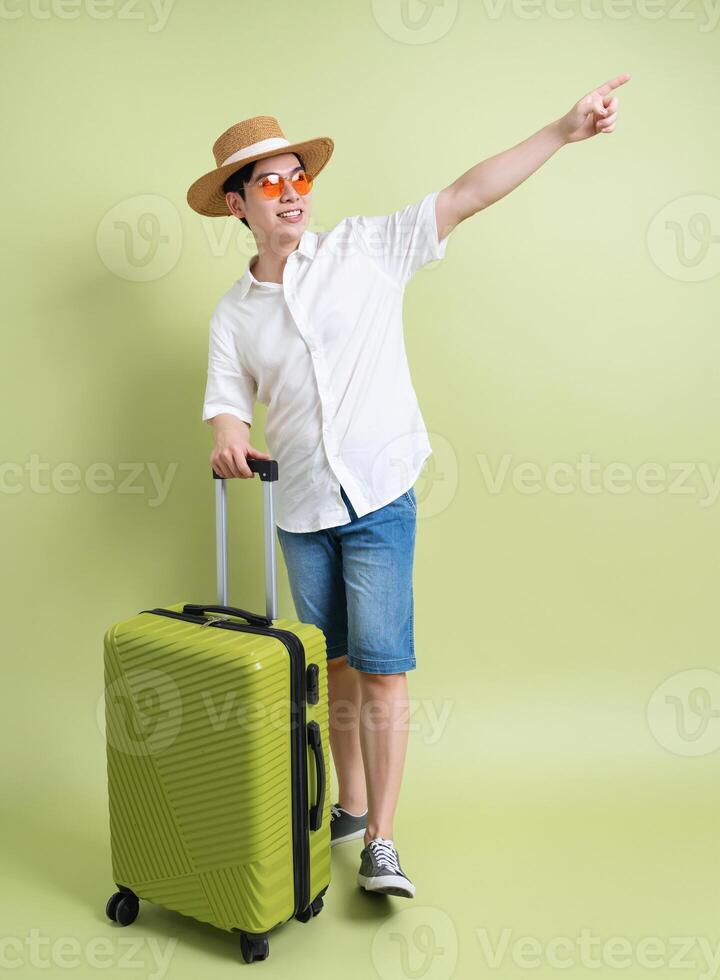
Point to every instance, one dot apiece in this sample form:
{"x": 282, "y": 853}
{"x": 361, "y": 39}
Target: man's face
{"x": 264, "y": 213}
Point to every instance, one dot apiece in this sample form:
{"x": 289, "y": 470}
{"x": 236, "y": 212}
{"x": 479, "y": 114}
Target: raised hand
{"x": 595, "y": 113}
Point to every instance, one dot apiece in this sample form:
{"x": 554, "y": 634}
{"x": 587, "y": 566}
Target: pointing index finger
{"x": 613, "y": 83}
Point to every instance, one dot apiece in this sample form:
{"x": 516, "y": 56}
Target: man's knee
{"x": 335, "y": 662}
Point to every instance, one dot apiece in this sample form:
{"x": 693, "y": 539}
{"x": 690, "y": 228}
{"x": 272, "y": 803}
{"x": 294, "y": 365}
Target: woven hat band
{"x": 274, "y": 143}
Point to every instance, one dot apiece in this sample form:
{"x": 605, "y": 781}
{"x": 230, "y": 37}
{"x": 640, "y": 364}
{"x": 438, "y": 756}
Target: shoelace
{"x": 384, "y": 853}
{"x": 336, "y": 810}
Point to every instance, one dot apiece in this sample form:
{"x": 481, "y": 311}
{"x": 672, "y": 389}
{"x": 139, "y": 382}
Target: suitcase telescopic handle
{"x": 267, "y": 469}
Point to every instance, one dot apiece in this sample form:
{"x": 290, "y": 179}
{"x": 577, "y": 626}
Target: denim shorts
{"x": 355, "y": 582}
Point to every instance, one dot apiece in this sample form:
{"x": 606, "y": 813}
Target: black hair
{"x": 236, "y": 182}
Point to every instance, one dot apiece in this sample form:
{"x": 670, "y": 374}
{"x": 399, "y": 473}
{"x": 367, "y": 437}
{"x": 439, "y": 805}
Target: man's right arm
{"x": 228, "y": 405}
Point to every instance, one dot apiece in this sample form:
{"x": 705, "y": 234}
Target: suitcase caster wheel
{"x": 313, "y": 909}
{"x": 123, "y": 908}
{"x": 253, "y": 948}
{"x": 112, "y": 905}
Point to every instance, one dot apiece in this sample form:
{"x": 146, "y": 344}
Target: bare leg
{"x": 344, "y": 707}
{"x": 383, "y": 739}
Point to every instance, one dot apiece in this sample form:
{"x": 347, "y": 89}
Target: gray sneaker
{"x": 344, "y": 825}
{"x": 380, "y": 869}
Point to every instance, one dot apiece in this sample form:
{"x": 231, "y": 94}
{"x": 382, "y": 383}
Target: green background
{"x": 562, "y": 772}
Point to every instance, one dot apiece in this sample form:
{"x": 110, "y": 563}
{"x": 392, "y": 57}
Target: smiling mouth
{"x": 290, "y": 213}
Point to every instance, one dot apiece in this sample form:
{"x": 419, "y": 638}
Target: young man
{"x": 313, "y": 330}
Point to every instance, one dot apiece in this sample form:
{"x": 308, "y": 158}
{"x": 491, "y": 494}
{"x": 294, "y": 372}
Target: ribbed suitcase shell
{"x": 199, "y": 768}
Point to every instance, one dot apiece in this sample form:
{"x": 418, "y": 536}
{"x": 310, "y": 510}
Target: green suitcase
{"x": 218, "y": 757}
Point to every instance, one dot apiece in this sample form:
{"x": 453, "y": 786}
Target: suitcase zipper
{"x": 214, "y": 619}
{"x": 301, "y": 849}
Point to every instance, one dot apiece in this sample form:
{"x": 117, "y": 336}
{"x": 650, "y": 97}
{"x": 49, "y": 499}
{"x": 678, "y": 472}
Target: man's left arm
{"x": 495, "y": 177}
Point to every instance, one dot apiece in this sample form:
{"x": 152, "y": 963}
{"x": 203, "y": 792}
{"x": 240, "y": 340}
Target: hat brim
{"x": 205, "y": 195}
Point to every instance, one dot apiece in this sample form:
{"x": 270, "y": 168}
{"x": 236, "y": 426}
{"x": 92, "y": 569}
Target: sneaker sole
{"x": 353, "y": 836}
{"x": 387, "y": 885}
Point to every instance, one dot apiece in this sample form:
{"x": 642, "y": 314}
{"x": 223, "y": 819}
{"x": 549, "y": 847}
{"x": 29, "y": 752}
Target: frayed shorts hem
{"x": 386, "y": 667}
{"x": 397, "y": 666}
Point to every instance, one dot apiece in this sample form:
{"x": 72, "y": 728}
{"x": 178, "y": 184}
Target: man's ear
{"x": 235, "y": 204}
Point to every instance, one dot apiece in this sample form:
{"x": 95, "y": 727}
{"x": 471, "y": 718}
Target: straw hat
{"x": 251, "y": 139}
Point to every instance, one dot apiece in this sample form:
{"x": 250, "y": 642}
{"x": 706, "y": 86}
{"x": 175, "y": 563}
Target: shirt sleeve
{"x": 229, "y": 387}
{"x": 404, "y": 241}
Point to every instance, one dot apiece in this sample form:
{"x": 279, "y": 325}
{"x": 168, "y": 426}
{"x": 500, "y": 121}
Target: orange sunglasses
{"x": 272, "y": 184}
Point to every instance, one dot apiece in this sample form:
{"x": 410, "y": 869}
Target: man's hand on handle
{"x": 232, "y": 447}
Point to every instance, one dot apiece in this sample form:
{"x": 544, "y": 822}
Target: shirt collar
{"x": 307, "y": 246}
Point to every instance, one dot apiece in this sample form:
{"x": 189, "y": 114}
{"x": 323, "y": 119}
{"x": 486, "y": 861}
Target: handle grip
{"x": 315, "y": 743}
{"x": 267, "y": 468}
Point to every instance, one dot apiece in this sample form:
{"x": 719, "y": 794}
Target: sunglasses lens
{"x": 302, "y": 182}
{"x": 272, "y": 185}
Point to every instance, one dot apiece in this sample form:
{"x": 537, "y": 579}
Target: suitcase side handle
{"x": 255, "y": 619}
{"x": 268, "y": 472}
{"x": 315, "y": 743}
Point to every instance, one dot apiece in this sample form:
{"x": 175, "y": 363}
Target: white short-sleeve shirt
{"x": 324, "y": 351}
